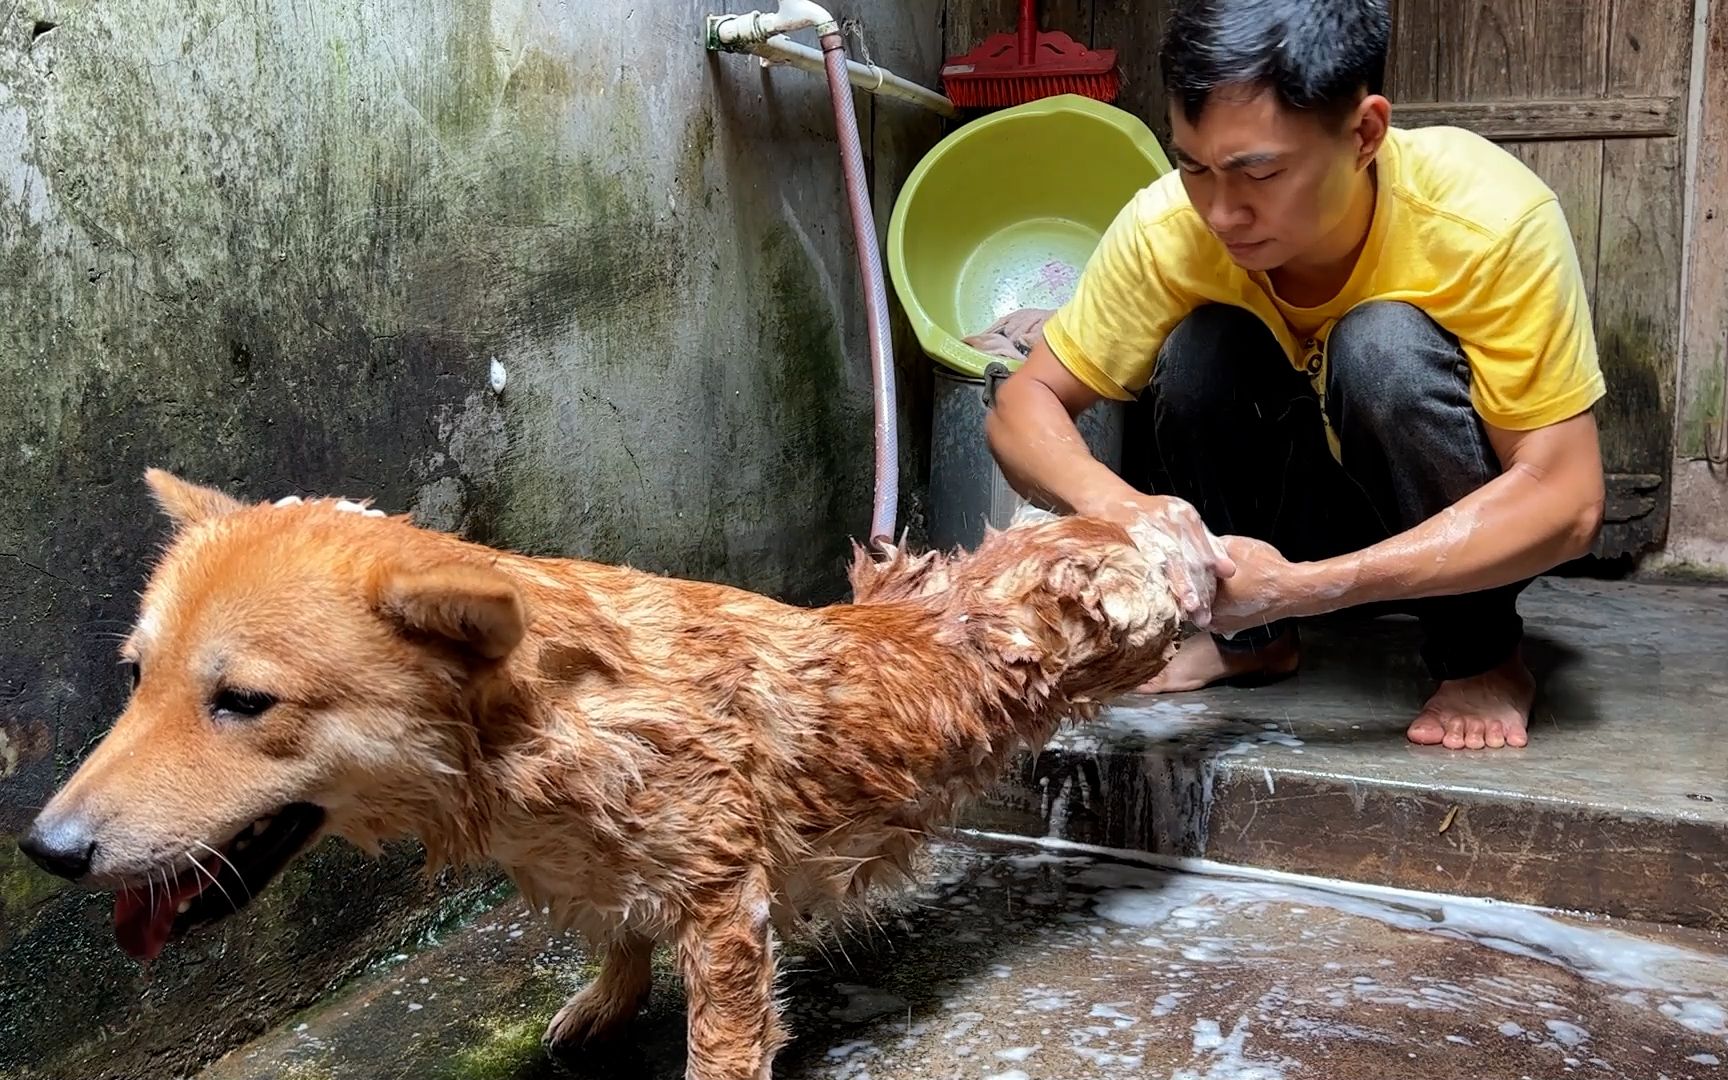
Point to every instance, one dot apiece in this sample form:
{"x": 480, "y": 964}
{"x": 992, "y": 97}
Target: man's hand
{"x": 1195, "y": 559}
{"x": 1040, "y": 451}
{"x": 1266, "y": 587}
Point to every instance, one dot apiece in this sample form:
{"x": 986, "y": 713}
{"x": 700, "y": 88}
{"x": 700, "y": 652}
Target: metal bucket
{"x": 967, "y": 490}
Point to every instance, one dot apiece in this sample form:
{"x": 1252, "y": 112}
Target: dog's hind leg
{"x": 726, "y": 953}
{"x": 626, "y": 973}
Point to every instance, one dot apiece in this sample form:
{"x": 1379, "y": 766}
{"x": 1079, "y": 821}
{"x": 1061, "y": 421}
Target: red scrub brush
{"x": 1011, "y": 69}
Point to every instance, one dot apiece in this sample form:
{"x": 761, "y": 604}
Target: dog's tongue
{"x": 143, "y": 918}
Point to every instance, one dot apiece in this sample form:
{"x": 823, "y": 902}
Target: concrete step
{"x": 1027, "y": 964}
{"x": 1618, "y": 806}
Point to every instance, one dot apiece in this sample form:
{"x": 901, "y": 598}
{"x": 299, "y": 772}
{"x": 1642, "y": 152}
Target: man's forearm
{"x": 1042, "y": 455}
{"x": 1517, "y": 526}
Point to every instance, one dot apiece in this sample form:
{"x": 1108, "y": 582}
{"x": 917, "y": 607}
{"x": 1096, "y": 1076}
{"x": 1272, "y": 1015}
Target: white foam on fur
{"x": 346, "y": 506}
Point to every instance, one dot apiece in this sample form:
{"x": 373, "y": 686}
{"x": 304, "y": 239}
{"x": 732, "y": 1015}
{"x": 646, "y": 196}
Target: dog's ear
{"x": 187, "y": 504}
{"x": 473, "y": 607}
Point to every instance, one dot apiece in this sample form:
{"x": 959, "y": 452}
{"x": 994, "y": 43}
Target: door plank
{"x": 1413, "y": 61}
{"x": 1512, "y": 49}
{"x": 1564, "y": 119}
{"x": 1637, "y": 305}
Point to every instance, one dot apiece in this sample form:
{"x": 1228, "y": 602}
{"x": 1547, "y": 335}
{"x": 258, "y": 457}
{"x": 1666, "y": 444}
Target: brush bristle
{"x": 1005, "y": 91}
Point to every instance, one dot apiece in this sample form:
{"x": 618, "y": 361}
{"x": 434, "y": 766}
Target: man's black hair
{"x": 1314, "y": 54}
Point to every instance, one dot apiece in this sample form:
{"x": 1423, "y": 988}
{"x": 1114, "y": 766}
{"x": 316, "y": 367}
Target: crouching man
{"x": 1367, "y": 352}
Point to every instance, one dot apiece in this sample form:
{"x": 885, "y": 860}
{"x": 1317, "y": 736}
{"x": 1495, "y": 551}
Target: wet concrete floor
{"x": 1017, "y": 962}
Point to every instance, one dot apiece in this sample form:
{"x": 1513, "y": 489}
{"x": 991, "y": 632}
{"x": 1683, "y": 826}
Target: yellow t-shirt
{"x": 1461, "y": 229}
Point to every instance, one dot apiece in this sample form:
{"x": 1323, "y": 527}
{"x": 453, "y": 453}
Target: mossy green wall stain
{"x": 463, "y": 82}
{"x": 820, "y": 425}
{"x": 1704, "y": 407}
{"x": 692, "y": 186}
{"x": 1630, "y": 352}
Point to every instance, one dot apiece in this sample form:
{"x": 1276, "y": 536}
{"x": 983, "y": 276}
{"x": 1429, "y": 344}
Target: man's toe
{"x": 1474, "y": 737}
{"x": 1496, "y": 734}
{"x": 1516, "y": 736}
{"x": 1425, "y": 730}
{"x": 1454, "y": 733}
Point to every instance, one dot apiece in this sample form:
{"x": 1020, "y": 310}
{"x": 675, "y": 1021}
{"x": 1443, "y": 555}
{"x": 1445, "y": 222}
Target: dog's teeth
{"x": 185, "y": 906}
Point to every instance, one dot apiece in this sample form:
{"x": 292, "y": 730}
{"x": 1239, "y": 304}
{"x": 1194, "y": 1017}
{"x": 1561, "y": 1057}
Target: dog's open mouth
{"x": 148, "y": 915}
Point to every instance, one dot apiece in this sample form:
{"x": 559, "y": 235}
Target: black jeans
{"x": 1237, "y": 431}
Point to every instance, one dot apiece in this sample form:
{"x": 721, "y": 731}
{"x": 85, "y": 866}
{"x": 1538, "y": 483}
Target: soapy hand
{"x": 1012, "y": 336}
{"x": 1195, "y": 559}
{"x": 1266, "y": 587}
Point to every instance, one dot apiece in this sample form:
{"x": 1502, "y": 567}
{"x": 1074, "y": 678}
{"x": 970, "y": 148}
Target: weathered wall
{"x": 276, "y": 246}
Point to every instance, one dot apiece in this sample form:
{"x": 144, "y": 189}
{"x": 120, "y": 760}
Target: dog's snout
{"x": 62, "y": 846}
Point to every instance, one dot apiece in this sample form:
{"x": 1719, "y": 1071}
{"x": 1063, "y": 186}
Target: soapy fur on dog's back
{"x": 651, "y": 736}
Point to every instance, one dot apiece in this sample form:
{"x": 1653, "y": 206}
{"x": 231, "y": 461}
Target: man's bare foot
{"x": 1199, "y": 663}
{"x": 1491, "y": 709}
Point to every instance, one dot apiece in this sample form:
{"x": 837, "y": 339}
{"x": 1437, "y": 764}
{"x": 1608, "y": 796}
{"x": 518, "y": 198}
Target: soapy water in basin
{"x": 1030, "y": 264}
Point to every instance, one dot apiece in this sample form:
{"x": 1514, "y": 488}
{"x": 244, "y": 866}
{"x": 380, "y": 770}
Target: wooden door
{"x": 1591, "y": 95}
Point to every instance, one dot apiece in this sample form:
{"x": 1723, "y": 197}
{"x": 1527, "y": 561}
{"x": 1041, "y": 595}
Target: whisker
{"x": 229, "y": 864}
{"x": 213, "y": 878}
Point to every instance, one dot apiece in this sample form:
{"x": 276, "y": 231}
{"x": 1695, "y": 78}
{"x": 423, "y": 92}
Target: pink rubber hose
{"x": 887, "y": 494}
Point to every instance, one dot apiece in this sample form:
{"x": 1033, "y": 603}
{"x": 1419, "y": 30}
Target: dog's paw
{"x": 590, "y": 1016}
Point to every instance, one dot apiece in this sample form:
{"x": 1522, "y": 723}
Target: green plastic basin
{"x": 1003, "y": 213}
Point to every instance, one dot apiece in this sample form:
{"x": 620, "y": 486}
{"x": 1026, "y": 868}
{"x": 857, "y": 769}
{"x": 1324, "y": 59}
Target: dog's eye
{"x": 133, "y": 672}
{"x": 243, "y": 703}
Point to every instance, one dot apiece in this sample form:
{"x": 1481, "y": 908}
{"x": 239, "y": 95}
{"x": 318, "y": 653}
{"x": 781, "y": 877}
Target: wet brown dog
{"x": 653, "y": 760}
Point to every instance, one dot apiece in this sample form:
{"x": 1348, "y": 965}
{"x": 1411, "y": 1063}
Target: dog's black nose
{"x": 62, "y": 847}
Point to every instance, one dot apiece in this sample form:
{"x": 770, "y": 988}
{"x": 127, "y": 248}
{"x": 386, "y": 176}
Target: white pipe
{"x": 738, "y": 32}
{"x": 763, "y": 34}
{"x": 867, "y": 77}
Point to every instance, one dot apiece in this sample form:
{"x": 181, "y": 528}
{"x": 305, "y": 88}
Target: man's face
{"x": 1272, "y": 183}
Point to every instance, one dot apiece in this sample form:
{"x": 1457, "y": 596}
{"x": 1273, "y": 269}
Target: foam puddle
{"x": 1669, "y": 977}
{"x": 1184, "y": 969}
{"x": 1183, "y": 896}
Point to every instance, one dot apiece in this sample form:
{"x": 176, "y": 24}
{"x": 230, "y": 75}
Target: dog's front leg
{"x": 726, "y": 953}
{"x": 626, "y": 973}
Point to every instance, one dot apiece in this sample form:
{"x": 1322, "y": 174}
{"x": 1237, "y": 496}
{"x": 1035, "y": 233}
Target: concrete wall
{"x": 276, "y": 246}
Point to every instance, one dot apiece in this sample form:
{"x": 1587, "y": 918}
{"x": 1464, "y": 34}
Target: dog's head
{"x": 297, "y": 668}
